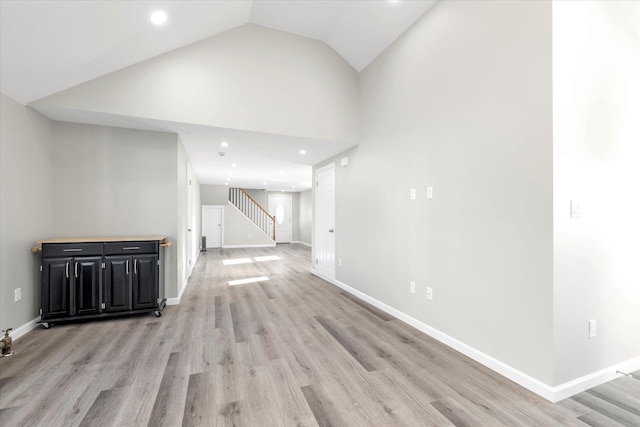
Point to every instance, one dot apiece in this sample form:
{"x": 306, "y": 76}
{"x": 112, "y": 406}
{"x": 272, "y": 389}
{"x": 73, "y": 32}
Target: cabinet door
{"x": 56, "y": 288}
{"x": 87, "y": 276}
{"x": 145, "y": 281}
{"x": 117, "y": 286}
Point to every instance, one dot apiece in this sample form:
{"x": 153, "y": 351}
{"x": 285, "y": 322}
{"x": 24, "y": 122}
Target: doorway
{"x": 325, "y": 241}
{"x": 212, "y": 220}
{"x": 280, "y": 207}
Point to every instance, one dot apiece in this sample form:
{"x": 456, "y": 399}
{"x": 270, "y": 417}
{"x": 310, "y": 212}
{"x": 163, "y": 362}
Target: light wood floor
{"x": 291, "y": 350}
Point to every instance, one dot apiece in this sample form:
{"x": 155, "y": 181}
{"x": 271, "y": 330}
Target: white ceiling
{"x": 49, "y": 46}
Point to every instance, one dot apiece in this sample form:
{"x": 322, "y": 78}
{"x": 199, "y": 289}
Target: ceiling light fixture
{"x": 159, "y": 17}
{"x": 224, "y": 144}
{"x": 303, "y": 152}
{"x": 233, "y": 165}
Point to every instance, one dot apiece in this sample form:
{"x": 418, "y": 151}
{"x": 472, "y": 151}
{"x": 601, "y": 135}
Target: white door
{"x": 190, "y": 233}
{"x": 212, "y": 225}
{"x": 325, "y": 239}
{"x": 280, "y": 207}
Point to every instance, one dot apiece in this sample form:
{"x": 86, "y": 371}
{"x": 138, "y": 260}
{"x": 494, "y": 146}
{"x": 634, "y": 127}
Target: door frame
{"x": 290, "y": 197}
{"x": 221, "y": 207}
{"x": 316, "y": 225}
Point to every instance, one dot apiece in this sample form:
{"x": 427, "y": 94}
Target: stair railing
{"x": 252, "y": 210}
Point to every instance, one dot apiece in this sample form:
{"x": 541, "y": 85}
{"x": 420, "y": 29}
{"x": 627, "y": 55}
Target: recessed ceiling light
{"x": 303, "y": 152}
{"x": 228, "y": 179}
{"x": 233, "y": 165}
{"x": 264, "y": 183}
{"x": 226, "y": 183}
{"x": 159, "y": 17}
{"x": 224, "y": 144}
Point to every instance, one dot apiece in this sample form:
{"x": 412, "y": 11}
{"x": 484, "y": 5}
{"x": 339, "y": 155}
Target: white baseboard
{"x": 176, "y": 301}
{"x": 551, "y": 393}
{"x": 24, "y": 329}
{"x": 302, "y": 243}
{"x": 269, "y": 245}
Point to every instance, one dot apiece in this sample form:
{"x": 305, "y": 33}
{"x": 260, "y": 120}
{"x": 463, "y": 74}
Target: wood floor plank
{"x": 626, "y": 398}
{"x": 169, "y": 403}
{"x": 232, "y": 414}
{"x": 218, "y": 311}
{"x": 350, "y": 346}
{"x": 235, "y": 319}
{"x": 371, "y": 309}
{"x": 596, "y": 419}
{"x": 317, "y": 406}
{"x": 607, "y": 409}
{"x": 101, "y": 411}
{"x": 200, "y": 406}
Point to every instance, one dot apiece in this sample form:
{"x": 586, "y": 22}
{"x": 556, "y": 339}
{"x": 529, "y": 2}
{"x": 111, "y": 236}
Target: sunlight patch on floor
{"x": 266, "y": 258}
{"x": 237, "y": 261}
{"x": 249, "y": 280}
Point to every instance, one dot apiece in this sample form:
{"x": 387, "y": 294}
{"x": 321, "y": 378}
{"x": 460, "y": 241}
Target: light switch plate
{"x": 592, "y": 328}
{"x": 429, "y": 192}
{"x": 412, "y": 194}
{"x": 576, "y": 209}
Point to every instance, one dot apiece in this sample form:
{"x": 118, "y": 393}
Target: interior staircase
{"x": 252, "y": 210}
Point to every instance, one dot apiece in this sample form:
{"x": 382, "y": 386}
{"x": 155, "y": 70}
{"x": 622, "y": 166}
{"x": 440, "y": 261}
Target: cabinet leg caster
{"x": 46, "y": 325}
{"x": 157, "y": 313}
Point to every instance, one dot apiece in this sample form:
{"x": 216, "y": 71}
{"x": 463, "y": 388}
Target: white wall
{"x": 305, "y": 216}
{"x": 111, "y": 182}
{"x": 240, "y": 231}
{"x": 462, "y": 102}
{"x": 26, "y": 175}
{"x": 214, "y": 194}
{"x": 596, "y": 100}
{"x": 250, "y": 78}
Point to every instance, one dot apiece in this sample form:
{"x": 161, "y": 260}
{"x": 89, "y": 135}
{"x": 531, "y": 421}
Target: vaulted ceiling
{"x": 49, "y": 46}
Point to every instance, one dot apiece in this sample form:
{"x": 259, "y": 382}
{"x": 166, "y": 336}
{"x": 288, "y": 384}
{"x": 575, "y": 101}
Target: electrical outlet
{"x": 412, "y": 287}
{"x": 592, "y": 328}
{"x": 17, "y": 293}
{"x": 429, "y": 293}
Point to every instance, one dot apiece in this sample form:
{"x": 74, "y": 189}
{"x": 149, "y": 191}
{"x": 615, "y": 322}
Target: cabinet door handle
{"x": 135, "y": 266}
{"x": 76, "y": 270}
{"x": 127, "y": 266}
{"x": 72, "y": 250}
{"x": 66, "y": 269}
{"x": 131, "y": 248}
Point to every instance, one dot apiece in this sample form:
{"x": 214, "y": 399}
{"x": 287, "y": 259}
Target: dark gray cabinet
{"x": 117, "y": 284}
{"x": 56, "y": 288}
{"x": 87, "y": 284}
{"x": 100, "y": 279}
